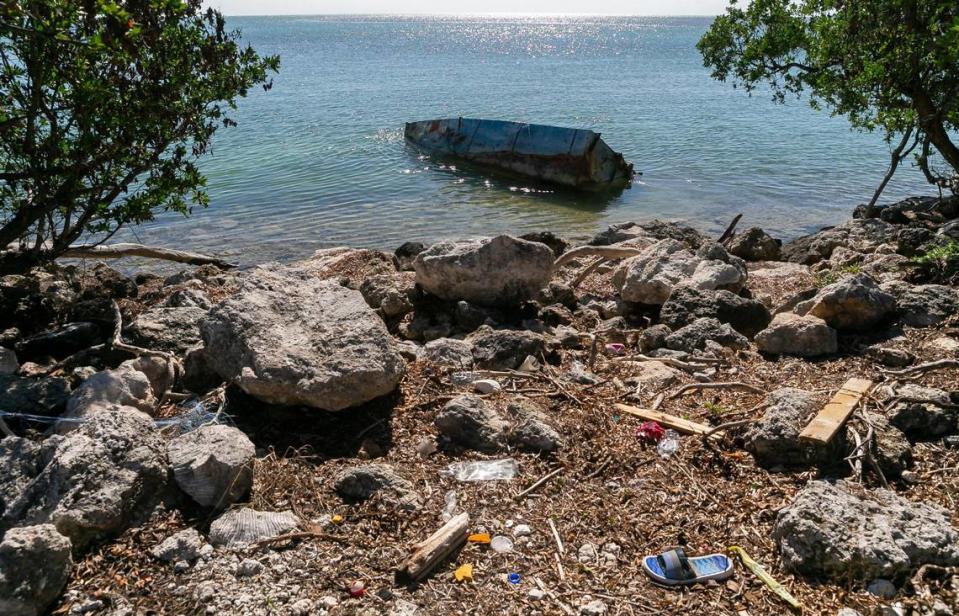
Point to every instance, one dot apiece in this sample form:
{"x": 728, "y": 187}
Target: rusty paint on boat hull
{"x": 575, "y": 158}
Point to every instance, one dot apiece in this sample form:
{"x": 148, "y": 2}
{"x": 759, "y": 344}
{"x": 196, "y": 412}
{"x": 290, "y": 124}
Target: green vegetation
{"x": 886, "y": 65}
{"x": 942, "y": 262}
{"x": 716, "y": 410}
{"x": 940, "y": 254}
{"x": 105, "y": 107}
{"x": 827, "y": 277}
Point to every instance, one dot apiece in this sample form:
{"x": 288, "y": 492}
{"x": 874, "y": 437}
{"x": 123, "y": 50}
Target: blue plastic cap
{"x": 513, "y": 578}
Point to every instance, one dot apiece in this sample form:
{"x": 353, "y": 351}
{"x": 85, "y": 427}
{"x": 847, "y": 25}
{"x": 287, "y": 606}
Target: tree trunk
{"x": 936, "y": 133}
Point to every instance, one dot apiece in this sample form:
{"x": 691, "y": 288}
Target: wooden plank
{"x": 827, "y": 422}
{"x": 439, "y": 546}
{"x": 678, "y": 424}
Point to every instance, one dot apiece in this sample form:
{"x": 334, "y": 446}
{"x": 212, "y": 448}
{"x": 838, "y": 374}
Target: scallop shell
{"x": 243, "y": 526}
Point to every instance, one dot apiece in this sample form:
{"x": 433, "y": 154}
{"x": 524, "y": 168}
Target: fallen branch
{"x": 113, "y": 251}
{"x": 923, "y": 368}
{"x": 693, "y": 365}
{"x": 303, "y": 534}
{"x": 733, "y": 385}
{"x": 536, "y": 485}
{"x": 726, "y": 427}
{"x": 580, "y": 277}
{"x": 607, "y": 252}
{"x": 730, "y": 230}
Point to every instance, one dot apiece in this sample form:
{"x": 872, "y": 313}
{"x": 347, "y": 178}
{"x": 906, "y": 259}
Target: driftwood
{"x": 824, "y": 426}
{"x": 536, "y": 485}
{"x": 733, "y": 385}
{"x": 679, "y": 424}
{"x": 730, "y": 230}
{"x": 434, "y": 550}
{"x": 607, "y": 252}
{"x": 113, "y": 251}
{"x": 923, "y": 368}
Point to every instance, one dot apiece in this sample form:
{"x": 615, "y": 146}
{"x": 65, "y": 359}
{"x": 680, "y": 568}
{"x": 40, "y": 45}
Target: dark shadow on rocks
{"x": 319, "y": 433}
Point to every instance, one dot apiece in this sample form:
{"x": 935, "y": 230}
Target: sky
{"x": 602, "y": 7}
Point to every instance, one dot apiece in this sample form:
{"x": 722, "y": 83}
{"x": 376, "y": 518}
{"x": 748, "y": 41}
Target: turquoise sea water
{"x": 320, "y": 160}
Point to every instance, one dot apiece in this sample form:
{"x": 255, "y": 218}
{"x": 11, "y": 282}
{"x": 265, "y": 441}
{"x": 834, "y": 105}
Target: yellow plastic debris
{"x": 337, "y": 519}
{"x": 464, "y": 573}
{"x": 767, "y": 579}
{"x": 479, "y": 538}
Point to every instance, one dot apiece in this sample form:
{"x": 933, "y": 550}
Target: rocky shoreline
{"x": 261, "y": 442}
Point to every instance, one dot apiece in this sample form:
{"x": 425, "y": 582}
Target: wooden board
{"x": 827, "y": 422}
{"x": 678, "y": 424}
{"x": 431, "y": 552}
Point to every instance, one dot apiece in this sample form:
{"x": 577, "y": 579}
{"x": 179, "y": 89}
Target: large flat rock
{"x": 288, "y": 338}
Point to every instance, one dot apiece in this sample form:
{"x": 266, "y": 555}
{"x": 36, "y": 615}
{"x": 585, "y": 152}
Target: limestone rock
{"x": 184, "y": 545}
{"x": 654, "y": 375}
{"x": 393, "y": 294}
{"x": 504, "y": 349}
{"x": 651, "y": 231}
{"x": 861, "y": 235}
{"x": 925, "y": 414}
{"x": 854, "y": 304}
{"x": 893, "y": 453}
{"x": 35, "y": 565}
{"x": 653, "y": 338}
{"x": 362, "y": 482}
{"x": 8, "y": 361}
{"x": 404, "y": 256}
{"x": 160, "y": 372}
{"x": 501, "y": 271}
{"x": 923, "y": 305}
{"x": 468, "y": 421}
{"x": 686, "y": 304}
{"x": 198, "y": 377}
{"x": 91, "y": 484}
{"x": 213, "y": 465}
{"x": 449, "y": 352}
{"x": 167, "y": 329}
{"x": 59, "y": 343}
{"x": 350, "y": 266}
{"x": 243, "y": 526}
{"x": 754, "y": 244}
{"x": 791, "y": 334}
{"x": 294, "y": 340}
{"x": 695, "y": 335}
{"x": 124, "y": 386}
{"x": 651, "y": 276}
{"x": 532, "y": 431}
{"x": 774, "y": 439}
{"x": 189, "y": 298}
{"x": 841, "y": 531}
{"x": 44, "y": 396}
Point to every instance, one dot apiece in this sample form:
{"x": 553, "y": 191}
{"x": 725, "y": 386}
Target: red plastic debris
{"x": 357, "y": 589}
{"x": 650, "y": 431}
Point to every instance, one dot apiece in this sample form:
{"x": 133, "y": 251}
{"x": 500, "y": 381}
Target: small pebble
{"x": 487, "y": 386}
{"x": 248, "y": 568}
{"x": 522, "y": 530}
{"x": 536, "y": 594}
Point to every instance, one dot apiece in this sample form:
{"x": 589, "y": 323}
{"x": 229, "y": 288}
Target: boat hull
{"x": 575, "y": 158}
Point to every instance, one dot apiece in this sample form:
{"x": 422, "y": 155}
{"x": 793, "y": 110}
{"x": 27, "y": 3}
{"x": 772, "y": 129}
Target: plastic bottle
{"x": 668, "y": 444}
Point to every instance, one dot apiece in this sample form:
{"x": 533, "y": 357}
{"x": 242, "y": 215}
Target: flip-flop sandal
{"x": 673, "y": 567}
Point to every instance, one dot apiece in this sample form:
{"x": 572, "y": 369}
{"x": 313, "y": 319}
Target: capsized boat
{"x": 571, "y": 157}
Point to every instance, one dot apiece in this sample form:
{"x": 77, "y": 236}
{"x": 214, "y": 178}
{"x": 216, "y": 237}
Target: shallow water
{"x": 320, "y": 160}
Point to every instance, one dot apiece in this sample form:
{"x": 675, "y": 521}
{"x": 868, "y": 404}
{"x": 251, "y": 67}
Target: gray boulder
{"x": 853, "y": 304}
{"x": 361, "y": 483}
{"x": 504, "y": 349}
{"x": 213, "y": 465}
{"x": 290, "y": 339}
{"x": 791, "y": 334}
{"x": 650, "y": 230}
{"x": 449, "y": 352}
{"x": 923, "y": 305}
{"x": 470, "y": 422}
{"x": 242, "y": 526}
{"x": 187, "y": 298}
{"x": 44, "y": 396}
{"x": 167, "y": 329}
{"x": 182, "y": 546}
{"x": 843, "y": 532}
{"x": 59, "y": 343}
{"x": 695, "y": 335}
{"x": 198, "y": 376}
{"x": 91, "y": 484}
{"x": 754, "y": 244}
{"x": 8, "y": 361}
{"x": 124, "y": 386}
{"x": 651, "y": 276}
{"x": 892, "y": 450}
{"x": 924, "y": 413}
{"x": 686, "y": 304}
{"x": 35, "y": 565}
{"x": 531, "y": 430}
{"x": 861, "y": 235}
{"x": 774, "y": 439}
{"x": 392, "y": 294}
{"x": 501, "y": 271}
{"x": 653, "y": 338}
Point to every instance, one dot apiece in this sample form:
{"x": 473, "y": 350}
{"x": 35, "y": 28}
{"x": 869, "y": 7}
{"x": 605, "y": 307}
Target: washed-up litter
{"x": 196, "y": 416}
{"x": 464, "y": 573}
{"x": 482, "y": 538}
{"x": 514, "y": 578}
{"x": 357, "y": 588}
{"x": 767, "y": 579}
{"x": 501, "y": 544}
{"x": 669, "y": 444}
{"x": 530, "y": 364}
{"x": 336, "y": 519}
{"x": 615, "y": 348}
{"x": 449, "y": 506}
{"x": 485, "y": 470}
{"x": 674, "y": 567}
{"x": 650, "y": 431}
